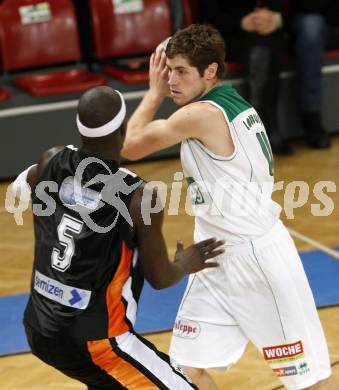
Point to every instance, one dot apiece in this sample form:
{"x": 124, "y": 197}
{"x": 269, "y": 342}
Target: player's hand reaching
{"x": 194, "y": 258}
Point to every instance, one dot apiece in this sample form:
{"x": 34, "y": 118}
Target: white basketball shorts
{"x": 259, "y": 293}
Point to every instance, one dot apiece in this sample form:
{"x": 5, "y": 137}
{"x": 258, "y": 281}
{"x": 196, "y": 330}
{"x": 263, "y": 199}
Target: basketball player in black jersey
{"x": 87, "y": 278}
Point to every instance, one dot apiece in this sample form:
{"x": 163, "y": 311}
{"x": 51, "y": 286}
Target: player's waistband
{"x": 277, "y": 230}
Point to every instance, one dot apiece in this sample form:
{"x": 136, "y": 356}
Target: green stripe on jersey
{"x": 229, "y": 99}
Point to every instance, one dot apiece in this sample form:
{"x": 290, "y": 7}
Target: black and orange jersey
{"x": 86, "y": 278}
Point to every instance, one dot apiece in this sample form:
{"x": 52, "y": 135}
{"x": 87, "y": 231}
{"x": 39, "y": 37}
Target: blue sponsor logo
{"x": 65, "y": 295}
{"x": 75, "y": 297}
{"x": 48, "y": 287}
{"x": 86, "y": 197}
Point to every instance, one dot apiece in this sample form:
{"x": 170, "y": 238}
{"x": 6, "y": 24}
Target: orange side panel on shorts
{"x": 116, "y": 308}
{"x": 115, "y": 366}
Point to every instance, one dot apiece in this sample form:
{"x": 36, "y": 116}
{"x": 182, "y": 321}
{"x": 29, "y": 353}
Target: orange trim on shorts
{"x": 118, "y": 368}
{"x": 116, "y": 308}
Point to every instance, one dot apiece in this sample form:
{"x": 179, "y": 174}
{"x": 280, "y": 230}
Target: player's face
{"x": 184, "y": 80}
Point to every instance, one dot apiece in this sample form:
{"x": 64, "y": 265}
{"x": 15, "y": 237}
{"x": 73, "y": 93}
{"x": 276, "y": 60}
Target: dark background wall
{"x": 29, "y": 126}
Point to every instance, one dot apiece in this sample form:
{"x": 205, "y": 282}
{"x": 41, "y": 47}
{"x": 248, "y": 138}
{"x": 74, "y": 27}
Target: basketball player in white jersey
{"x": 260, "y": 292}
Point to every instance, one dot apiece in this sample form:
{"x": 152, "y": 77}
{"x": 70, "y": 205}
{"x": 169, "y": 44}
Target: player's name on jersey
{"x": 251, "y": 120}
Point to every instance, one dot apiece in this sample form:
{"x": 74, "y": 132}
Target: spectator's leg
{"x": 263, "y": 70}
{"x": 310, "y": 34}
{"x": 332, "y": 41}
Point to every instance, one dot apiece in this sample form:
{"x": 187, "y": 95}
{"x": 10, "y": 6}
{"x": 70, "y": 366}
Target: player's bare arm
{"x": 159, "y": 270}
{"x": 31, "y": 175}
{"x": 37, "y": 170}
{"x": 196, "y": 120}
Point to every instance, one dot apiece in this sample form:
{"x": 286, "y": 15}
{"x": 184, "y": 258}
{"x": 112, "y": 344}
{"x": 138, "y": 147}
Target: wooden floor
{"x": 25, "y": 372}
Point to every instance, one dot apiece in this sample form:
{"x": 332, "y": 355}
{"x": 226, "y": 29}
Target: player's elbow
{"x": 159, "y": 284}
{"x": 129, "y": 155}
{"x": 158, "y": 280}
{"x": 156, "y": 284}
{"x": 132, "y": 151}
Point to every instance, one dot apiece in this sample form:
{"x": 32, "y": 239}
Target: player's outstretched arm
{"x": 159, "y": 270}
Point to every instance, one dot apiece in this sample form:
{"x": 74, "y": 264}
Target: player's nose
{"x": 172, "y": 79}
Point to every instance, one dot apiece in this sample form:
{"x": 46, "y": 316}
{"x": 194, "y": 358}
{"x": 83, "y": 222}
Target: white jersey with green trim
{"x": 231, "y": 197}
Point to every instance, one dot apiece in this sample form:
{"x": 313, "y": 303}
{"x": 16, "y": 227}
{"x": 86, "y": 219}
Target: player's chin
{"x": 180, "y": 100}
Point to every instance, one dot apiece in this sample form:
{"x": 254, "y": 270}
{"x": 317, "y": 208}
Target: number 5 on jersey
{"x": 67, "y": 228}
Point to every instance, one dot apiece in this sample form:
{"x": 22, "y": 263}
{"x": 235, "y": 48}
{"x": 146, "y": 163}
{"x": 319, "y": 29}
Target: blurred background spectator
{"x": 312, "y": 23}
{"x": 253, "y": 34}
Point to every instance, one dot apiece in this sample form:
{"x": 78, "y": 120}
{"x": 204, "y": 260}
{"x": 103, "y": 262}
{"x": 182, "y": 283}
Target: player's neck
{"x": 214, "y": 83}
{"x": 210, "y": 86}
{"x": 101, "y": 151}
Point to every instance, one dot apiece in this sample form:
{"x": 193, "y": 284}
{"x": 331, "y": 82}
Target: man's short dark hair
{"x": 201, "y": 44}
{"x": 98, "y": 106}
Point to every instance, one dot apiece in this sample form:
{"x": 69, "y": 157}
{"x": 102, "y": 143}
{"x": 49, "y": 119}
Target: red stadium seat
{"x": 126, "y": 33}
{"x": 234, "y": 67}
{"x": 55, "y": 83}
{"x": 332, "y": 53}
{"x": 4, "y": 95}
{"x": 45, "y": 32}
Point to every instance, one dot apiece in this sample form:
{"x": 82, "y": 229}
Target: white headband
{"x": 108, "y": 127}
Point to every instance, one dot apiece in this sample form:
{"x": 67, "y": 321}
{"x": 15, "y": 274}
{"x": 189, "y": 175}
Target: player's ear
{"x": 211, "y": 71}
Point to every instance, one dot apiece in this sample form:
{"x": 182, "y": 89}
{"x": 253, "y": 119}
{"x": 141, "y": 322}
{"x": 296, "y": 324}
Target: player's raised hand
{"x": 194, "y": 258}
{"x": 158, "y": 74}
{"x": 163, "y": 45}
